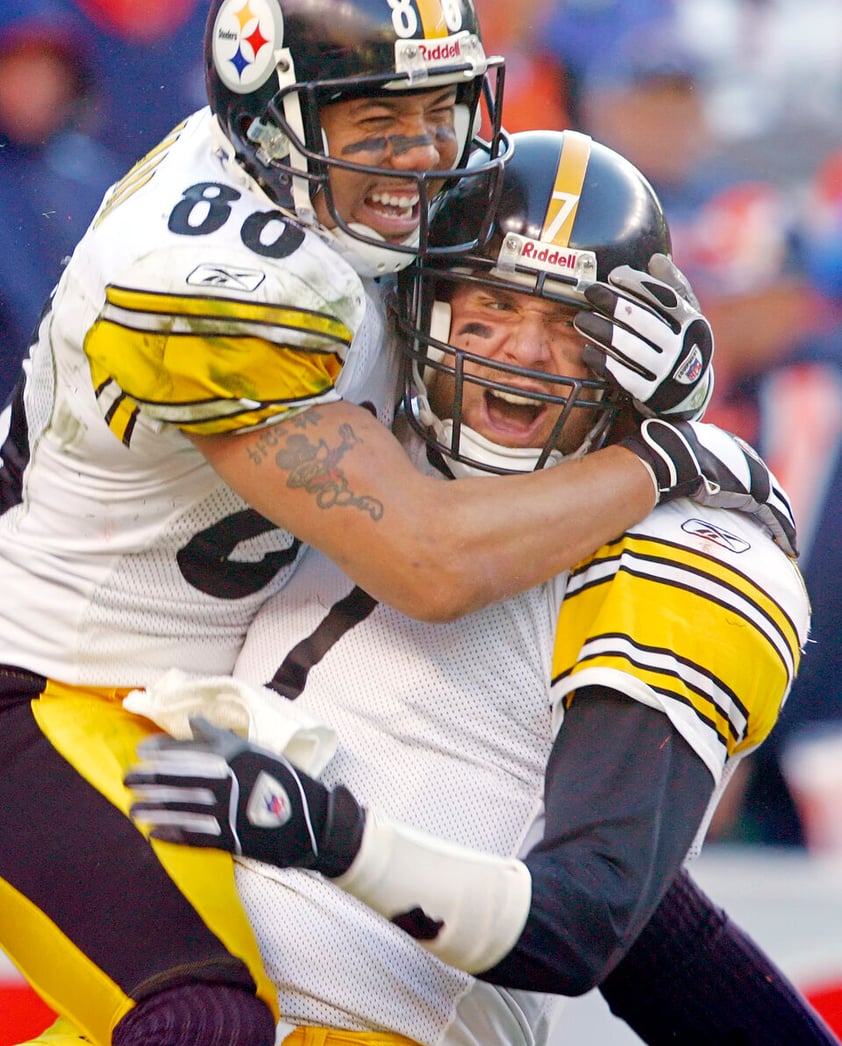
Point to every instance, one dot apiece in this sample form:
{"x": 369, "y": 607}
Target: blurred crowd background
{"x": 732, "y": 108}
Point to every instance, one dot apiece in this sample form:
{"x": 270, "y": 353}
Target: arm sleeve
{"x": 624, "y": 796}
{"x": 694, "y": 977}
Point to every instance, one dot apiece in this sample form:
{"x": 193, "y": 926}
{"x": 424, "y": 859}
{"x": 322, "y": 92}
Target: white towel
{"x": 253, "y": 712}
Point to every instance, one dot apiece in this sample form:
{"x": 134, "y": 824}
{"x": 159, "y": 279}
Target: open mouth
{"x": 513, "y": 413}
{"x": 394, "y": 214}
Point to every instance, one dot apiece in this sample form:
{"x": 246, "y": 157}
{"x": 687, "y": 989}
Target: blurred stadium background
{"x": 775, "y": 101}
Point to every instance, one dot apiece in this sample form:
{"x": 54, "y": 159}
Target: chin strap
{"x": 370, "y": 259}
{"x": 478, "y": 456}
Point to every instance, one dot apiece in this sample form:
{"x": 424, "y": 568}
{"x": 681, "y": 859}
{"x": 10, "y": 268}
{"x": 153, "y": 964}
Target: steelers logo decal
{"x": 246, "y": 35}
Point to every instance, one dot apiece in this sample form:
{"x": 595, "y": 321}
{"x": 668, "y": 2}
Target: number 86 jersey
{"x": 191, "y": 306}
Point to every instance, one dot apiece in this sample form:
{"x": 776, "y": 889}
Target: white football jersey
{"x": 448, "y": 727}
{"x": 190, "y": 305}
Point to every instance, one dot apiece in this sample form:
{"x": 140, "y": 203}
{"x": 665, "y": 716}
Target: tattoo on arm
{"x": 314, "y": 467}
{"x": 267, "y": 439}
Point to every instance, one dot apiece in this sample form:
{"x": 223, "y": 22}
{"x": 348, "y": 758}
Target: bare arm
{"x": 340, "y": 481}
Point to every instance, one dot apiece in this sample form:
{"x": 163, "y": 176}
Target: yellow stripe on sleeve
{"x": 209, "y": 364}
{"x": 718, "y": 643}
{"x": 170, "y": 308}
{"x": 206, "y": 384}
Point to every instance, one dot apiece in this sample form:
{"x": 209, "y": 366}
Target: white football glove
{"x": 647, "y": 334}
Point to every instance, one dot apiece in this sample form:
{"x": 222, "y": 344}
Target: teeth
{"x": 406, "y": 203}
{"x": 511, "y": 397}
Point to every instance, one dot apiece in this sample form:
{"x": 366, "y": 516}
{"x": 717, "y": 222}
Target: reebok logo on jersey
{"x": 709, "y": 532}
{"x": 268, "y": 805}
{"x": 209, "y": 275}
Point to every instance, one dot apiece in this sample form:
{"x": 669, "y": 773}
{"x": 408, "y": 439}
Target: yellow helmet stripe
{"x": 433, "y": 23}
{"x": 567, "y": 190}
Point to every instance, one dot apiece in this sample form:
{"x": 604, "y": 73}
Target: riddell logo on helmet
{"x": 434, "y": 55}
{"x": 570, "y": 264}
{"x": 549, "y": 257}
{"x": 440, "y": 52}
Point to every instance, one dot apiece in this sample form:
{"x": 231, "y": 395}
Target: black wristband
{"x": 342, "y": 834}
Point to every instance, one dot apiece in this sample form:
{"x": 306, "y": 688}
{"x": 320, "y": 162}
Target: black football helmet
{"x": 569, "y": 211}
{"x": 270, "y": 65}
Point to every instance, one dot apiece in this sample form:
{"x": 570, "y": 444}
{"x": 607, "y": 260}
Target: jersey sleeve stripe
{"x": 695, "y": 571}
{"x": 721, "y": 645}
{"x": 730, "y": 599}
{"x": 671, "y": 676}
{"x": 121, "y": 417}
{"x": 196, "y": 314}
{"x": 213, "y": 417}
{"x": 699, "y": 592}
{"x": 206, "y": 384}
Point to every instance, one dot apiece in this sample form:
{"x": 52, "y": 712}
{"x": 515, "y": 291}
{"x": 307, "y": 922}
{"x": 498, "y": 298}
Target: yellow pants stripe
{"x": 337, "y": 1037}
{"x": 92, "y": 731}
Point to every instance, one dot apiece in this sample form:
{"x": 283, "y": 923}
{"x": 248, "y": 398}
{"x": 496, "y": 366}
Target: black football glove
{"x": 716, "y": 468}
{"x": 223, "y": 792}
{"x": 647, "y": 334}
{"x": 465, "y": 906}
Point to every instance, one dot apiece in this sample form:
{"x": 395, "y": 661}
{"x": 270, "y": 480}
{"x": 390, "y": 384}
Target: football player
{"x": 225, "y": 283}
{"x": 199, "y": 401}
{"x": 514, "y": 791}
